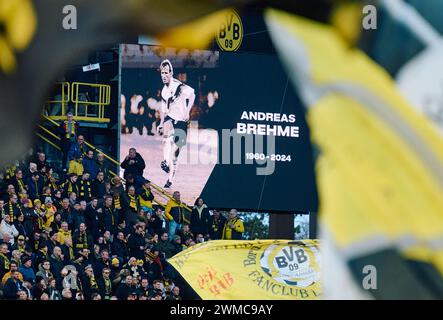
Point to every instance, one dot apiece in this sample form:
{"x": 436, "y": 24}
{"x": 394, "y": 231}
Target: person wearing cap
{"x": 68, "y": 135}
{"x": 20, "y": 245}
{"x": 29, "y": 254}
{"x": 27, "y": 270}
{"x": 116, "y": 272}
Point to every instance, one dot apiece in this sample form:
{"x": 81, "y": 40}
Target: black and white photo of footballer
{"x": 177, "y": 100}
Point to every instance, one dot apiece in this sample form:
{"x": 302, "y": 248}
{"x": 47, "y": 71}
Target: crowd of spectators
{"x": 81, "y": 233}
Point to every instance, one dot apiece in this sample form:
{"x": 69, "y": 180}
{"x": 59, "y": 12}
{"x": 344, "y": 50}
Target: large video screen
{"x": 224, "y": 126}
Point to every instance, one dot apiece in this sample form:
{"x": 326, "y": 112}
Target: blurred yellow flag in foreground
{"x": 380, "y": 164}
{"x": 235, "y": 270}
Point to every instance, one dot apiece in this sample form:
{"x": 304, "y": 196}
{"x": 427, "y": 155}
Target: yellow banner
{"x": 253, "y": 270}
{"x": 380, "y": 166}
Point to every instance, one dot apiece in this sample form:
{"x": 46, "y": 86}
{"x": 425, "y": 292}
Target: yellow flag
{"x": 380, "y": 165}
{"x": 236, "y": 270}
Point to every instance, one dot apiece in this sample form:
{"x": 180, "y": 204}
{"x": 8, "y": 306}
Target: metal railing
{"x": 102, "y": 91}
{"x": 77, "y": 96}
{"x": 65, "y": 97}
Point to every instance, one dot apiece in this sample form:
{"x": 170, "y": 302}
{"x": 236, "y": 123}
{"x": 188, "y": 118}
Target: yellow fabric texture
{"x": 268, "y": 270}
{"x": 372, "y": 181}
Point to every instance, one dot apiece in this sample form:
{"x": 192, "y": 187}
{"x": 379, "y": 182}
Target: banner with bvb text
{"x": 262, "y": 269}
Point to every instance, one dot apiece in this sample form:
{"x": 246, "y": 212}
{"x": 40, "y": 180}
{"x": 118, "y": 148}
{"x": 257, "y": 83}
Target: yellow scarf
{"x": 67, "y": 132}
{"x": 133, "y": 202}
{"x": 117, "y": 204}
{"x": 5, "y": 260}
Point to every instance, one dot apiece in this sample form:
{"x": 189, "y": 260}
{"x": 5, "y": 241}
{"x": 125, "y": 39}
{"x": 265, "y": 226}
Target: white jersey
{"x": 177, "y": 100}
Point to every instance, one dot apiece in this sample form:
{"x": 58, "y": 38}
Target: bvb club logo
{"x": 230, "y": 33}
{"x": 290, "y": 265}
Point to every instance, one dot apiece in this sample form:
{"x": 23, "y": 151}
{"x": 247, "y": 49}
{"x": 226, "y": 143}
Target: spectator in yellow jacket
{"x": 13, "y": 267}
{"x": 234, "y": 227}
{"x": 50, "y": 213}
{"x": 175, "y": 213}
{"x": 64, "y": 233}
